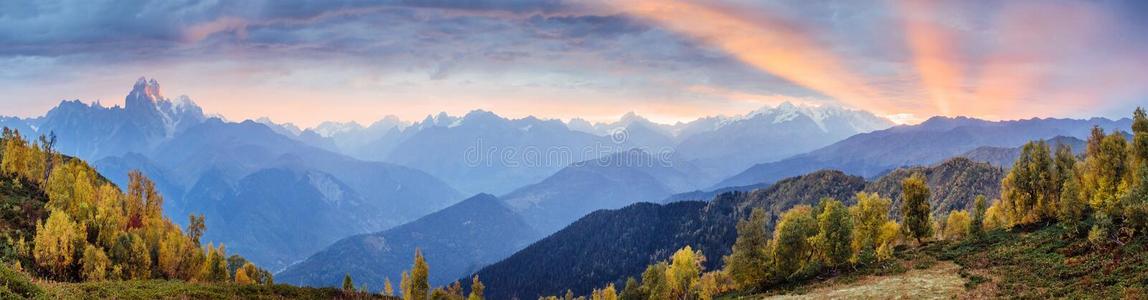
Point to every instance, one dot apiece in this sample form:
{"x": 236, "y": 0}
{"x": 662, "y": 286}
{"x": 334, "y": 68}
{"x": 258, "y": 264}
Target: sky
{"x": 670, "y": 60}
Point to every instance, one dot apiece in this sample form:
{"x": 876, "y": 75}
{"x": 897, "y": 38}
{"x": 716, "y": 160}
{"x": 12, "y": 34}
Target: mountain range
{"x": 937, "y": 139}
{"x": 241, "y": 176}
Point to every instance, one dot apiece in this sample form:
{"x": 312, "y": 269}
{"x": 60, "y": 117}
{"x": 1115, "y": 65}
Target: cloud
{"x": 771, "y": 43}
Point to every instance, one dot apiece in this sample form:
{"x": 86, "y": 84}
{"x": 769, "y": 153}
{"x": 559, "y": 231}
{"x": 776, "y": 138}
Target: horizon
{"x": 405, "y": 122}
{"x": 672, "y": 61}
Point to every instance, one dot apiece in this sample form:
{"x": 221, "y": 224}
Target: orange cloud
{"x": 771, "y": 44}
{"x": 934, "y": 53}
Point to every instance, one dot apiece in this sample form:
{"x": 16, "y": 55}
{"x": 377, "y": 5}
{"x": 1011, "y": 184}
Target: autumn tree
{"x": 1030, "y": 191}
{"x": 477, "y": 289}
{"x": 654, "y": 284}
{"x": 56, "y": 244}
{"x": 419, "y": 284}
{"x": 683, "y": 272}
{"x": 1135, "y": 196}
{"x": 915, "y": 207}
{"x": 388, "y": 289}
{"x": 792, "y": 251}
{"x": 869, "y": 214}
{"x": 215, "y": 265}
{"x": 834, "y": 234}
{"x": 632, "y": 290}
{"x": 749, "y": 260}
{"x": 957, "y": 225}
{"x": 405, "y": 285}
{"x": 887, "y": 238}
{"x": 195, "y": 228}
{"x": 95, "y": 264}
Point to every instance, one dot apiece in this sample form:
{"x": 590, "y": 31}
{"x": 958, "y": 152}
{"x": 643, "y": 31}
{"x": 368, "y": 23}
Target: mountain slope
{"x": 613, "y": 244}
{"x": 456, "y": 241}
{"x": 621, "y": 243}
{"x": 953, "y": 184}
{"x": 1006, "y": 156}
{"x": 933, "y": 141}
{"x": 482, "y": 152}
{"x": 610, "y": 182}
{"x": 242, "y": 174}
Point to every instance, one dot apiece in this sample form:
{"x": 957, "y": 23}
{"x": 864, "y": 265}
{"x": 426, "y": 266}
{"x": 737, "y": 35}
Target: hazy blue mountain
{"x": 933, "y": 141}
{"x": 482, "y": 152}
{"x": 92, "y": 131}
{"x": 242, "y": 174}
{"x": 457, "y": 241}
{"x": 1006, "y": 156}
{"x": 772, "y": 134}
{"x": 609, "y": 182}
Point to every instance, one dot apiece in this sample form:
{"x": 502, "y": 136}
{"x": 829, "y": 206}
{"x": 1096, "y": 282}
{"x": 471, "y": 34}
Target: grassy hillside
{"x": 16, "y": 285}
{"x": 1042, "y": 263}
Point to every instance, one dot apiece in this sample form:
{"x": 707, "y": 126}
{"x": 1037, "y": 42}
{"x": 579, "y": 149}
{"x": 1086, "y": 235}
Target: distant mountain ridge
{"x": 939, "y": 138}
{"x": 456, "y": 240}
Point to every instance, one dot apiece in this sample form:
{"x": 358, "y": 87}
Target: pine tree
{"x": 915, "y": 207}
{"x": 834, "y": 233}
{"x": 348, "y": 283}
{"x": 977, "y": 224}
{"x": 748, "y": 262}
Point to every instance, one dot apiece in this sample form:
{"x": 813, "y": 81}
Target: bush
{"x": 14, "y": 285}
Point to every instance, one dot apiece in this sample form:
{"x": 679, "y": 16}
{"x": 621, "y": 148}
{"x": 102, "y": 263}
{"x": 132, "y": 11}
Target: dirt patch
{"x": 942, "y": 280}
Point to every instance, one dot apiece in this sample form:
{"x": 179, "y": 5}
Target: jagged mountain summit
{"x": 93, "y": 131}
{"x": 241, "y": 176}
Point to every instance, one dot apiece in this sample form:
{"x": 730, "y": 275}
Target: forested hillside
{"x": 67, "y": 232}
{"x": 1099, "y": 203}
{"x": 953, "y": 182}
{"x": 68, "y": 223}
{"x": 623, "y": 242}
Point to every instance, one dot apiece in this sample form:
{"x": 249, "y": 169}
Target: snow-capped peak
{"x": 820, "y": 114}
